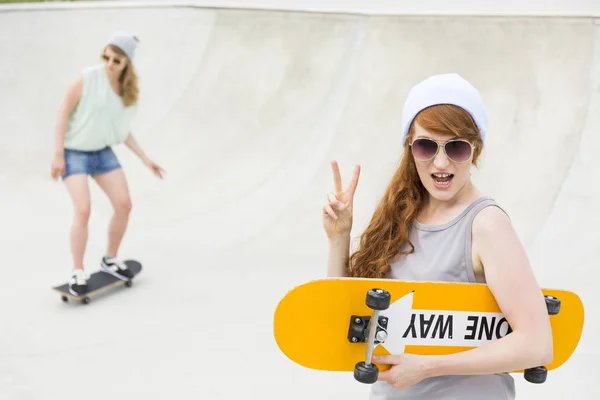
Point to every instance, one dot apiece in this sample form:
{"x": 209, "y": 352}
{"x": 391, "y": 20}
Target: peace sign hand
{"x": 337, "y": 213}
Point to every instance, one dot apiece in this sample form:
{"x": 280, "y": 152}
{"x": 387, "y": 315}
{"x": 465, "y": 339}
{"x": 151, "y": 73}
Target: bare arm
{"x": 337, "y": 220}
{"x": 339, "y": 253}
{"x": 511, "y": 280}
{"x": 71, "y": 100}
{"x": 133, "y": 145}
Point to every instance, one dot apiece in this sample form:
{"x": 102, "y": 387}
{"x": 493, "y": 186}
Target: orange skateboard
{"x": 326, "y": 324}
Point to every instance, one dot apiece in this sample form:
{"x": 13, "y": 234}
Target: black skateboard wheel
{"x": 378, "y": 299}
{"x": 64, "y": 298}
{"x": 128, "y": 283}
{"x": 553, "y": 304}
{"x": 366, "y": 373}
{"x": 85, "y": 300}
{"x": 536, "y": 375}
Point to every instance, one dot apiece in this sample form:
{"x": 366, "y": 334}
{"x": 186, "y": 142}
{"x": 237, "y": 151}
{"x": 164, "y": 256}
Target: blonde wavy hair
{"x": 389, "y": 228}
{"x": 129, "y": 80}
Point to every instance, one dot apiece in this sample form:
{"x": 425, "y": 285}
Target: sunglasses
{"x": 116, "y": 60}
{"x": 457, "y": 150}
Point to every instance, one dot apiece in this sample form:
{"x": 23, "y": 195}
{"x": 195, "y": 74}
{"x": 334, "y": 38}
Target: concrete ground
{"x": 245, "y": 109}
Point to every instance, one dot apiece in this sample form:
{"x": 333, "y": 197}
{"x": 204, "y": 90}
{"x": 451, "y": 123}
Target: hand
{"x": 406, "y": 370}
{"x": 58, "y": 166}
{"x": 156, "y": 169}
{"x": 337, "y": 213}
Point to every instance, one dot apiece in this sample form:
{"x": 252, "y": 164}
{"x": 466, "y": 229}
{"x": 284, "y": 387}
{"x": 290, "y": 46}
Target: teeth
{"x": 441, "y": 176}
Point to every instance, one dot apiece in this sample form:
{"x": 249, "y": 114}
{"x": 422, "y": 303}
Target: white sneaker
{"x": 116, "y": 268}
{"x": 78, "y": 282}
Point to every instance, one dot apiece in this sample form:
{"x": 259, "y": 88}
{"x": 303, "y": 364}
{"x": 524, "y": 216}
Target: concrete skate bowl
{"x": 246, "y": 109}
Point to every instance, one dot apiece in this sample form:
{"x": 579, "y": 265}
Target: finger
{"x": 385, "y": 376}
{"x": 337, "y": 179}
{"x": 335, "y": 202}
{"x": 328, "y": 212}
{"x": 385, "y": 359}
{"x": 354, "y": 180}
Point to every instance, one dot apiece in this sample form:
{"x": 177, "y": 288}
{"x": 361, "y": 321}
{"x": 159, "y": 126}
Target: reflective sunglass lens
{"x": 424, "y": 149}
{"x": 458, "y": 150}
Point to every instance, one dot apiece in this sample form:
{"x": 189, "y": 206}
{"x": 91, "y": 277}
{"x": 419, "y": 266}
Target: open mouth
{"x": 442, "y": 179}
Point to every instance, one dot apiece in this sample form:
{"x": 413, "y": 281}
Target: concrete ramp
{"x": 245, "y": 109}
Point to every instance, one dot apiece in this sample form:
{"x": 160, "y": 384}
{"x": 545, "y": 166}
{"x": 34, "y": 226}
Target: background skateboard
{"x": 99, "y": 281}
{"x": 324, "y": 324}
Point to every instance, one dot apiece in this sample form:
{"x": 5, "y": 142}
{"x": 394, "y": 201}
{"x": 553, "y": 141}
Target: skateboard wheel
{"x": 85, "y": 300}
{"x": 536, "y": 375}
{"x": 553, "y": 304}
{"x": 378, "y": 299}
{"x": 366, "y": 373}
{"x": 128, "y": 283}
{"x": 64, "y": 298}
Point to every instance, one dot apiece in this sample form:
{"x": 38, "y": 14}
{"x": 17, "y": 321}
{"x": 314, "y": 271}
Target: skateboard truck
{"x": 539, "y": 374}
{"x": 363, "y": 329}
{"x": 359, "y": 329}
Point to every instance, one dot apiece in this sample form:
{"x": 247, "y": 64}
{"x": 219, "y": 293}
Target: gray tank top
{"x": 443, "y": 253}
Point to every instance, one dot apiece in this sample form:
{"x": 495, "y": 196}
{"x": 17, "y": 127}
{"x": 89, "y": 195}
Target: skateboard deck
{"x": 325, "y": 324}
{"x": 99, "y": 281}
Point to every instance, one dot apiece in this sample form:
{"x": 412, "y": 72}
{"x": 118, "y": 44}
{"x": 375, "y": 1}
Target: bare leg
{"x": 115, "y": 186}
{"x": 78, "y": 188}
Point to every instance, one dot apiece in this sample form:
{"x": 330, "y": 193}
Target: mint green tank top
{"x": 443, "y": 253}
{"x": 100, "y": 119}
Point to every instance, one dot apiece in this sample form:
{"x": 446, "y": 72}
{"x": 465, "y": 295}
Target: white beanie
{"x": 444, "y": 89}
{"x": 126, "y": 42}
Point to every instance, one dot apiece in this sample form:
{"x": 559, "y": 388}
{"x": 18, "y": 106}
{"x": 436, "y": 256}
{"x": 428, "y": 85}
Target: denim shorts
{"x": 90, "y": 162}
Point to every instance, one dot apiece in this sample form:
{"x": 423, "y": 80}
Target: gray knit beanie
{"x": 126, "y": 42}
{"x": 448, "y": 88}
